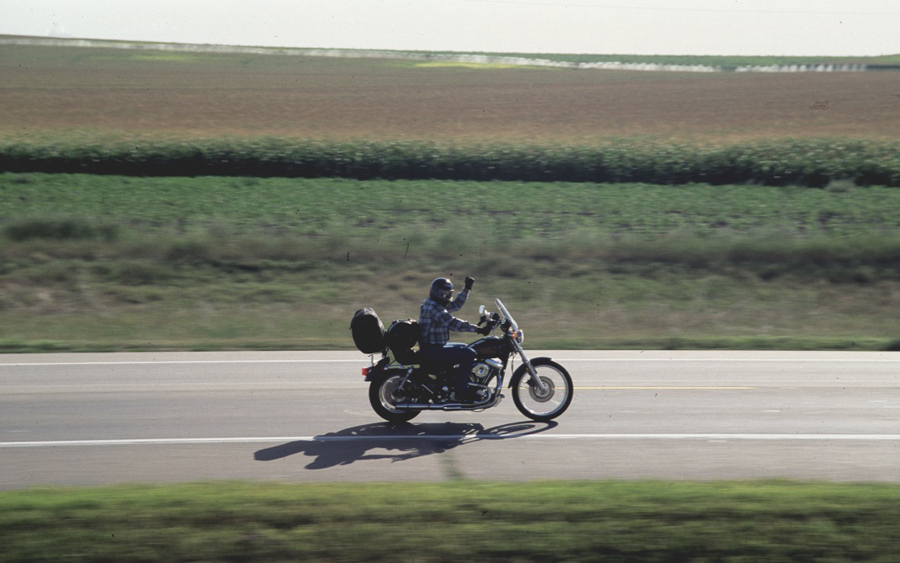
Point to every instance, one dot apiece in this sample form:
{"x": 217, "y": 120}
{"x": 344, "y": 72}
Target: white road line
{"x": 180, "y": 362}
{"x": 453, "y": 437}
{"x": 560, "y": 359}
{"x": 154, "y": 442}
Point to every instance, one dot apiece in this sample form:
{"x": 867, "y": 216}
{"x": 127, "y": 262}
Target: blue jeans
{"x": 450, "y": 354}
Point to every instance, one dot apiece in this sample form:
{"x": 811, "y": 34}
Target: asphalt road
{"x": 96, "y": 419}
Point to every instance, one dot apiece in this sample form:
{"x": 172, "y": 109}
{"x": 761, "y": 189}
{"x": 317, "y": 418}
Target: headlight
{"x": 519, "y": 336}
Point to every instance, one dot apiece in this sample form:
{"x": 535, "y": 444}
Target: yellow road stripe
{"x": 682, "y": 388}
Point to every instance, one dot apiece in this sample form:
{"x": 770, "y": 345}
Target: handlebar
{"x": 489, "y": 317}
{"x": 505, "y": 321}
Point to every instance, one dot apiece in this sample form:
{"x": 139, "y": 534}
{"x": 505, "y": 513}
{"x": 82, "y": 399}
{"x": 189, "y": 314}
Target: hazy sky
{"x": 701, "y": 27}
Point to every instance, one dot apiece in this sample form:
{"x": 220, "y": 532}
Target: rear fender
{"x": 373, "y": 372}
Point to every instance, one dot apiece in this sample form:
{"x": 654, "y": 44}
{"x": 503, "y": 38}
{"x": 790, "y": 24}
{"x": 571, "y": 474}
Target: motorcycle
{"x": 402, "y": 384}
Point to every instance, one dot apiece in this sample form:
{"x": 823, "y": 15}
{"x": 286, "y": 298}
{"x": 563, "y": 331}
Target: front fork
{"x": 531, "y": 371}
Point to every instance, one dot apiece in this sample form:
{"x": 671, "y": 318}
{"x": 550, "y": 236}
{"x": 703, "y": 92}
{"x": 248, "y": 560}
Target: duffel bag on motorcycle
{"x": 368, "y": 331}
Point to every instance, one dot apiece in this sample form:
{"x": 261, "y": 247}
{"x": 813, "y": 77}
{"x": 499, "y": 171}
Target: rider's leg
{"x": 466, "y": 359}
{"x": 454, "y": 353}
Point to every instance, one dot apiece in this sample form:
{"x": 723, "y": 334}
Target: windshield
{"x": 506, "y": 314}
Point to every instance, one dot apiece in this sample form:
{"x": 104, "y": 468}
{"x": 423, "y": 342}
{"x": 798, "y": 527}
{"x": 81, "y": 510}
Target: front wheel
{"x": 384, "y": 395}
{"x": 531, "y": 400}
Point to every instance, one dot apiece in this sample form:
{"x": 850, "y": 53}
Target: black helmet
{"x": 441, "y": 291}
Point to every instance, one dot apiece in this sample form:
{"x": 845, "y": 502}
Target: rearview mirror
{"x": 481, "y": 309}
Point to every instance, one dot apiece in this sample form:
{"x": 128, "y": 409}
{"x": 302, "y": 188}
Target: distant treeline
{"x": 677, "y": 63}
{"x": 814, "y": 163}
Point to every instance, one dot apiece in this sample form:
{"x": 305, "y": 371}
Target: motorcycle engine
{"x": 483, "y": 371}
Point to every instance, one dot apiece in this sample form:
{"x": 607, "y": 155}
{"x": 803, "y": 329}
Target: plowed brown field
{"x": 98, "y": 92}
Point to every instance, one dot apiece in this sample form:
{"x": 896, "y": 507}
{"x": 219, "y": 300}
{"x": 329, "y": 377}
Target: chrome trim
{"x": 405, "y": 379}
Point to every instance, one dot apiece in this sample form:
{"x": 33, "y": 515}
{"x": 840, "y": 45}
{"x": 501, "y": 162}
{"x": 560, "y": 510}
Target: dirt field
{"x": 97, "y": 93}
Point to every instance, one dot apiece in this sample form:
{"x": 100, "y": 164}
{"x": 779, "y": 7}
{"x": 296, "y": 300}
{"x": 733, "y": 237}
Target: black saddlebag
{"x": 402, "y": 335}
{"x": 368, "y": 331}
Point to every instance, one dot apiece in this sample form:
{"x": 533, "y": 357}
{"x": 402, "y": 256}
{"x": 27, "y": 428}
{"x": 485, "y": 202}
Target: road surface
{"x": 97, "y": 419}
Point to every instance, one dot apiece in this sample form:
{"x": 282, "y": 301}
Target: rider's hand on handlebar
{"x": 486, "y": 329}
{"x": 470, "y": 281}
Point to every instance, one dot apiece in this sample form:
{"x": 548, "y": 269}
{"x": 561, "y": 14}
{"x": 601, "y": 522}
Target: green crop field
{"x": 113, "y": 262}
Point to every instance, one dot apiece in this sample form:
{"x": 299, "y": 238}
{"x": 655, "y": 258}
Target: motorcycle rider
{"x": 435, "y": 323}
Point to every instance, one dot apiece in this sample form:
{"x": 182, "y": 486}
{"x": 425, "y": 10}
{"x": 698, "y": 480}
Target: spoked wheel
{"x": 383, "y": 396}
{"x": 542, "y": 404}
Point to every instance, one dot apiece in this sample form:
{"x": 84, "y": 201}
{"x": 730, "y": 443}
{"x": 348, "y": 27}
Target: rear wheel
{"x": 384, "y": 395}
{"x": 546, "y": 404}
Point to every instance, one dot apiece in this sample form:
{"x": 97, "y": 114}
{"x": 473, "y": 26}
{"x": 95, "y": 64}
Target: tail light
{"x": 366, "y": 370}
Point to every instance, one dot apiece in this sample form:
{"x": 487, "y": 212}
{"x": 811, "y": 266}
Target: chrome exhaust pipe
{"x": 450, "y": 406}
{"x": 497, "y": 396}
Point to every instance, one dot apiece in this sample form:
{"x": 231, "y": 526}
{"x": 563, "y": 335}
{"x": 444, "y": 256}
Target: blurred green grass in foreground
{"x": 543, "y": 522}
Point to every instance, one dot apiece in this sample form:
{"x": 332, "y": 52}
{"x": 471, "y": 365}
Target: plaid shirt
{"x": 436, "y": 322}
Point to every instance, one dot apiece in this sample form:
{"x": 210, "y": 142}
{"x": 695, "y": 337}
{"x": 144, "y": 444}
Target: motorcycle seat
{"x": 407, "y": 357}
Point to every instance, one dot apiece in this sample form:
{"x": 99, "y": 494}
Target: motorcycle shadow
{"x": 409, "y": 441}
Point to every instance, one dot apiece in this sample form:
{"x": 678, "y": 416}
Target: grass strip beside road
{"x": 456, "y": 521}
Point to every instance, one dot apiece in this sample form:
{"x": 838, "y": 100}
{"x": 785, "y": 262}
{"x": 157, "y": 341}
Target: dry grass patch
{"x": 121, "y": 93}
